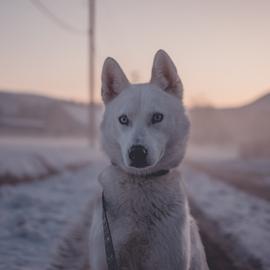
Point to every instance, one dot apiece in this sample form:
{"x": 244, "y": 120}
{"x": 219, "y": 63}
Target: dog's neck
{"x": 150, "y": 175}
{"x": 143, "y": 211}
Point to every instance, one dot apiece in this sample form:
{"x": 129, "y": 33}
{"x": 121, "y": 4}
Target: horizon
{"x": 100, "y": 103}
{"x": 220, "y": 48}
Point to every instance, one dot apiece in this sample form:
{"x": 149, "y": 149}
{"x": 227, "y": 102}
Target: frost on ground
{"x": 34, "y": 215}
{"x": 31, "y": 158}
{"x": 241, "y": 217}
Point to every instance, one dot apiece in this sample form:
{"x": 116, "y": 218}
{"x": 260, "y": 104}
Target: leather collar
{"x": 153, "y": 174}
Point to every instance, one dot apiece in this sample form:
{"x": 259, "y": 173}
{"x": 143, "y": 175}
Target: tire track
{"x": 217, "y": 248}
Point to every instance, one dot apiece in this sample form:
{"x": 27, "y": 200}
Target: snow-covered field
{"x": 24, "y": 159}
{"x": 33, "y": 215}
{"x": 211, "y": 152}
{"x": 243, "y": 218}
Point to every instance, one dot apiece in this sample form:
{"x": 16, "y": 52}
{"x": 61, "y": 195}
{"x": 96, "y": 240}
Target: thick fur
{"x": 149, "y": 217}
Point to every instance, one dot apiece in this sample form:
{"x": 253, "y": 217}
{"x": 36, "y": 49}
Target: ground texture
{"x": 234, "y": 221}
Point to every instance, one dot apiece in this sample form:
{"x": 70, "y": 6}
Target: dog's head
{"x": 144, "y": 128}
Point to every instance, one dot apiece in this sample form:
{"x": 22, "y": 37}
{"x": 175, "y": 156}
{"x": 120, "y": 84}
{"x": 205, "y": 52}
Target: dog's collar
{"x": 153, "y": 174}
{"x": 157, "y": 174}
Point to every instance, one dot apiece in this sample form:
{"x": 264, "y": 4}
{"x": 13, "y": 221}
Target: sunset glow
{"x": 221, "y": 48}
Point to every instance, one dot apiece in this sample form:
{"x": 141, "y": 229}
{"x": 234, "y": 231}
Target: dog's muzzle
{"x": 138, "y": 156}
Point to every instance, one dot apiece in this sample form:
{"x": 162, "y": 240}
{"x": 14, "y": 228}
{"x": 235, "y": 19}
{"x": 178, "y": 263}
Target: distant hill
{"x": 247, "y": 126}
{"x": 31, "y": 114}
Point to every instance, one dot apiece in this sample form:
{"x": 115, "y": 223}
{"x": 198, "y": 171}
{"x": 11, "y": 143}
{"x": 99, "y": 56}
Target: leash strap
{"x": 110, "y": 254}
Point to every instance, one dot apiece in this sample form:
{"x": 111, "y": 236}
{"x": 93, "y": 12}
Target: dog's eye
{"x": 123, "y": 119}
{"x": 156, "y": 118}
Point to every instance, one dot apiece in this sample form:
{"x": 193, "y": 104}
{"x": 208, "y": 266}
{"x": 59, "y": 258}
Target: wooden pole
{"x": 91, "y": 41}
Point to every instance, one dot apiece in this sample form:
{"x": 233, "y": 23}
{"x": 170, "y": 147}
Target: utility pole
{"x": 91, "y": 42}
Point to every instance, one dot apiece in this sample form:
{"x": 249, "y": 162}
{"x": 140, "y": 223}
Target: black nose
{"x": 138, "y": 155}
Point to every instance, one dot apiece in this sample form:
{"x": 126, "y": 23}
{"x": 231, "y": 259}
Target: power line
{"x": 91, "y": 46}
{"x": 61, "y": 23}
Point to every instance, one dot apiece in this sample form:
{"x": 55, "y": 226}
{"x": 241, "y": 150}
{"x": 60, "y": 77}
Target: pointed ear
{"x": 113, "y": 80}
{"x": 164, "y": 74}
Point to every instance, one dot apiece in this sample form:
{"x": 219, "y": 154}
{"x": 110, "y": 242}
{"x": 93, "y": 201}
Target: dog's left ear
{"x": 164, "y": 74}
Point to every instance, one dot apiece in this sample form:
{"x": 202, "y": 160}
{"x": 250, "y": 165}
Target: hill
{"x": 31, "y": 114}
{"x": 247, "y": 127}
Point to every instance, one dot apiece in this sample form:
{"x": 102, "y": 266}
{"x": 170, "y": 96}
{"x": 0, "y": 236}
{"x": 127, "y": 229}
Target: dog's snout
{"x": 138, "y": 156}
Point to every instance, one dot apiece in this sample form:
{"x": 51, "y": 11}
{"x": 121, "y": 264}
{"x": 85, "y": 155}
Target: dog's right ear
{"x": 164, "y": 74}
{"x": 113, "y": 80}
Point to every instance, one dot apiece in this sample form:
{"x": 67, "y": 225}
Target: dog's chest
{"x": 147, "y": 225}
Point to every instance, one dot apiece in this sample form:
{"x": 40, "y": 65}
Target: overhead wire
{"x": 60, "y": 22}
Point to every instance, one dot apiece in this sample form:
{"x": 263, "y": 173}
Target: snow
{"x": 21, "y": 122}
{"x": 204, "y": 152}
{"x": 239, "y": 215}
{"x": 81, "y": 113}
{"x": 34, "y": 215}
{"x": 254, "y": 167}
{"x": 30, "y": 158}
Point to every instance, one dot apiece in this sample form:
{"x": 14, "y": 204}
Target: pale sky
{"x": 221, "y": 48}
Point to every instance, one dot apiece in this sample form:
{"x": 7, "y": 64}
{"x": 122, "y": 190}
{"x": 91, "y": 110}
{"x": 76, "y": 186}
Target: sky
{"x": 221, "y": 48}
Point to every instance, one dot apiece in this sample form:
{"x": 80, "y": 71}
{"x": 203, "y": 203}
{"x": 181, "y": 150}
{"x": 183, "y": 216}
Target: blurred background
{"x": 51, "y": 55}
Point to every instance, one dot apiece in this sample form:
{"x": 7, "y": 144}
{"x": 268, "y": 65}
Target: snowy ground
{"x": 243, "y": 218}
{"x": 211, "y": 152}
{"x": 34, "y": 214}
{"x": 24, "y": 159}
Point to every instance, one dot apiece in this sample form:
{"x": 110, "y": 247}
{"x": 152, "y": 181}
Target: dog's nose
{"x": 138, "y": 154}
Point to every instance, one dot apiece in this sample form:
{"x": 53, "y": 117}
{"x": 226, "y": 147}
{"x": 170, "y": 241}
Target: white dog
{"x": 144, "y": 133}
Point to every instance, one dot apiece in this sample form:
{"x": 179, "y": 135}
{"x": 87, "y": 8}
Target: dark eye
{"x": 156, "y": 118}
{"x": 123, "y": 119}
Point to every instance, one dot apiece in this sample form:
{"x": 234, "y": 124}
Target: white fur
{"x": 149, "y": 216}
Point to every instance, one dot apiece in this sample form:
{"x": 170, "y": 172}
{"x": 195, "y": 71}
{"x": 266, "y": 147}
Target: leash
{"x": 110, "y": 254}
{"x": 109, "y": 249}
